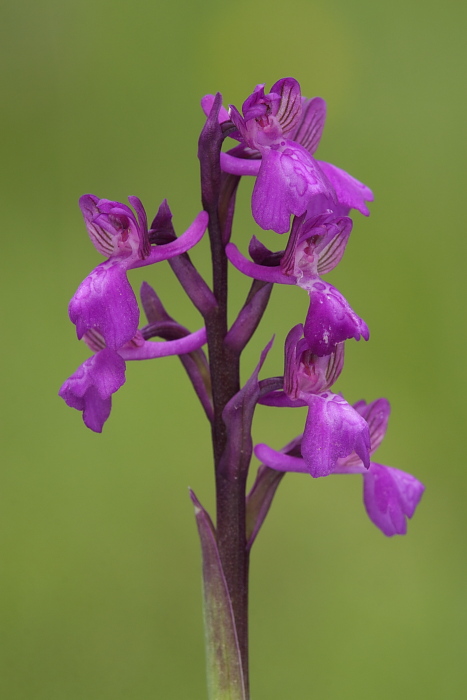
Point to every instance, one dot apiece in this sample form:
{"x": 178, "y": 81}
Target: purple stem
{"x": 225, "y": 381}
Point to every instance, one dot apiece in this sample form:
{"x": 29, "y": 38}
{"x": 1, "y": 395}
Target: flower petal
{"x": 351, "y": 193}
{"x": 90, "y": 388}
{"x": 390, "y": 496}
{"x": 105, "y": 301}
{"x": 333, "y": 429}
{"x": 310, "y": 127}
{"x": 331, "y": 249}
{"x": 290, "y": 105}
{"x": 376, "y": 415}
{"x": 144, "y": 245}
{"x": 330, "y": 319}
{"x": 288, "y": 180}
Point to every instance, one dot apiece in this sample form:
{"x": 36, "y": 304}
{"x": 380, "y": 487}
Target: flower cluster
{"x": 104, "y": 308}
{"x": 278, "y": 134}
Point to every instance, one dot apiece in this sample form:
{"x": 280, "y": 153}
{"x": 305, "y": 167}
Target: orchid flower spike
{"x": 105, "y": 301}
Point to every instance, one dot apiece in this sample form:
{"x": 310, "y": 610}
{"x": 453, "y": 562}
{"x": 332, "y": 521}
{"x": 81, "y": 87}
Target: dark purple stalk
{"x": 218, "y": 196}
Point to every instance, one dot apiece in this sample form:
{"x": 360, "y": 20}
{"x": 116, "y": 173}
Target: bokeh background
{"x": 100, "y": 569}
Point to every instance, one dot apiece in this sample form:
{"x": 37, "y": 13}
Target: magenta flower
{"x": 105, "y": 301}
{"x": 390, "y": 495}
{"x": 333, "y": 429}
{"x": 315, "y": 247}
{"x": 279, "y": 133}
{"x": 90, "y": 388}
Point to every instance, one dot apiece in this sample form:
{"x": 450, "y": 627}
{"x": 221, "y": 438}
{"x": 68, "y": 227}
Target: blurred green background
{"x": 100, "y": 569}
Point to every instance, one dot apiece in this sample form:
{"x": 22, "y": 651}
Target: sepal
{"x": 376, "y": 415}
{"x": 311, "y": 124}
{"x": 351, "y": 193}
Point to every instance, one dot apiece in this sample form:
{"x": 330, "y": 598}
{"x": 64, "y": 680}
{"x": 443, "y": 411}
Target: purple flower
{"x": 315, "y": 247}
{"x": 288, "y": 177}
{"x": 390, "y": 495}
{"x": 90, "y": 388}
{"x": 105, "y": 301}
{"x": 333, "y": 429}
{"x": 279, "y": 133}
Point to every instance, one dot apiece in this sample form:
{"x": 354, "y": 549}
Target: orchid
{"x": 104, "y": 307}
{"x": 277, "y": 133}
{"x": 90, "y": 387}
{"x": 315, "y": 247}
{"x": 390, "y": 495}
{"x": 105, "y": 300}
{"x": 333, "y": 429}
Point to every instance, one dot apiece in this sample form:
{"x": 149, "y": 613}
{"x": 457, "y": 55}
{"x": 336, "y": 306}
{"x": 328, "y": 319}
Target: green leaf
{"x": 224, "y": 666}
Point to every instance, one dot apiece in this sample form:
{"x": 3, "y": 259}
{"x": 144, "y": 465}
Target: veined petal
{"x": 280, "y": 461}
{"x": 376, "y": 415}
{"x": 333, "y": 429}
{"x": 287, "y": 182}
{"x": 290, "y": 105}
{"x": 101, "y": 239}
{"x": 310, "y": 127}
{"x": 105, "y": 301}
{"x": 351, "y": 193}
{"x": 331, "y": 249}
{"x": 113, "y": 227}
{"x": 330, "y": 319}
{"x": 90, "y": 388}
{"x": 251, "y": 269}
{"x": 144, "y": 245}
{"x": 390, "y": 496}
